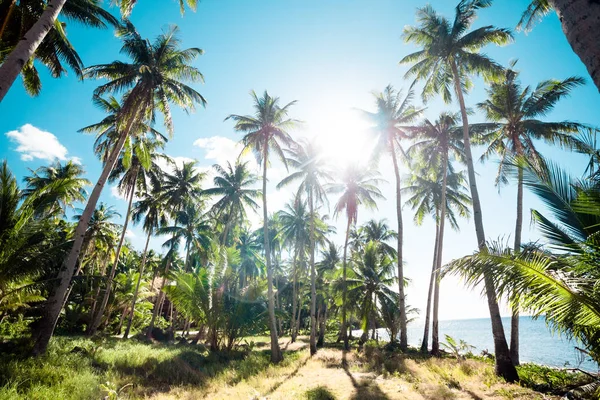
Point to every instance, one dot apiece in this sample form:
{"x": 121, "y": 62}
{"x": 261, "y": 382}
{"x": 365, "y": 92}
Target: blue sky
{"x": 328, "y": 55}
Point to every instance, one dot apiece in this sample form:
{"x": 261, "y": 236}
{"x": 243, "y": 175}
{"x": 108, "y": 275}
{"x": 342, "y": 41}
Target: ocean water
{"x": 537, "y": 343}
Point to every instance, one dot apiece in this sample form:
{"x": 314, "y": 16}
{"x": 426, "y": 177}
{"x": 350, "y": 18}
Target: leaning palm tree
{"x": 312, "y": 170}
{"x": 426, "y": 188}
{"x": 394, "y": 112}
{"x": 32, "y": 43}
{"x": 58, "y": 187}
{"x": 54, "y": 50}
{"x": 449, "y": 55}
{"x": 151, "y": 209}
{"x": 151, "y": 81}
{"x": 264, "y": 132}
{"x": 513, "y": 113}
{"x": 233, "y": 184}
{"x": 358, "y": 186}
{"x": 579, "y": 21}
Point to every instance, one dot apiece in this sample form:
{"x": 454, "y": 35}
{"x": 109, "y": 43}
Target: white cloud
{"x": 35, "y": 143}
{"x": 130, "y": 234}
{"x": 76, "y": 160}
{"x": 221, "y": 150}
{"x": 114, "y": 192}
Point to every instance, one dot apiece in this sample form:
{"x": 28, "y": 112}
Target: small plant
{"x": 319, "y": 393}
{"x": 457, "y": 349}
{"x": 111, "y": 391}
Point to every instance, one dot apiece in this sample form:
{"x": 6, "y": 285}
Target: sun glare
{"x": 343, "y": 137}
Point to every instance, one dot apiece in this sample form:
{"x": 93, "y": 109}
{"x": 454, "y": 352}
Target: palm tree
{"x": 449, "y": 55}
{"x": 372, "y": 276}
{"x": 234, "y": 187}
{"x": 312, "y": 169}
{"x": 330, "y": 258}
{"x": 358, "y": 186}
{"x": 59, "y": 187}
{"x": 380, "y": 233}
{"x": 427, "y": 186}
{"x": 251, "y": 263}
{"x": 579, "y": 20}
{"x": 136, "y": 167}
{"x": 295, "y": 232}
{"x": 513, "y": 112}
{"x": 560, "y": 286}
{"x": 151, "y": 209}
{"x": 180, "y": 189}
{"x": 394, "y": 111}
{"x": 436, "y": 143}
{"x": 151, "y": 81}
{"x": 54, "y": 50}
{"x": 33, "y": 37}
{"x": 266, "y": 131}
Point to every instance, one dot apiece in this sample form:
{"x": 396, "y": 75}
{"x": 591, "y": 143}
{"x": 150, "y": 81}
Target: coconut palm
{"x": 380, "y": 233}
{"x": 151, "y": 209}
{"x": 137, "y": 166}
{"x": 513, "y": 113}
{"x": 394, "y": 112}
{"x": 426, "y": 189}
{"x": 371, "y": 278}
{"x": 150, "y": 82}
{"x": 295, "y": 232}
{"x": 251, "y": 263}
{"x": 358, "y": 186}
{"x": 233, "y": 184}
{"x": 43, "y": 35}
{"x": 58, "y": 185}
{"x": 579, "y": 20}
{"x": 264, "y": 132}
{"x": 312, "y": 171}
{"x": 449, "y": 55}
{"x": 54, "y": 50}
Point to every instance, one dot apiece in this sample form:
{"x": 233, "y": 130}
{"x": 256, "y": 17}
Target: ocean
{"x": 537, "y": 342}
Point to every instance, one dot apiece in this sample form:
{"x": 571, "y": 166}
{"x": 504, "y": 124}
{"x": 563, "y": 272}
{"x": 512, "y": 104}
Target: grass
{"x": 79, "y": 368}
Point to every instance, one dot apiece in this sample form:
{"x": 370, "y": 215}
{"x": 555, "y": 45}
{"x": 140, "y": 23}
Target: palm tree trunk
{"x": 402, "y": 305}
{"x": 425, "y": 342}
{"x": 159, "y": 299}
{"x": 23, "y": 51}
{"x": 100, "y": 313}
{"x": 122, "y": 320}
{"x": 276, "y": 355}
{"x": 322, "y": 323}
{"x": 514, "y": 321}
{"x": 11, "y": 8}
{"x": 504, "y": 366}
{"x": 344, "y": 289}
{"x": 580, "y": 23}
{"x": 435, "y": 332}
{"x": 54, "y": 304}
{"x": 313, "y": 278}
{"x": 137, "y": 286}
{"x": 294, "y": 294}
{"x": 95, "y": 301}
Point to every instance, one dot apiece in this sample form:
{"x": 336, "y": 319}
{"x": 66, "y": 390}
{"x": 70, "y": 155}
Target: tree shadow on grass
{"x": 286, "y": 378}
{"x": 366, "y": 389}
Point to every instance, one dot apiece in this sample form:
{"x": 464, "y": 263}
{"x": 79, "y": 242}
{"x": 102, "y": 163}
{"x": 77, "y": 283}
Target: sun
{"x": 344, "y": 137}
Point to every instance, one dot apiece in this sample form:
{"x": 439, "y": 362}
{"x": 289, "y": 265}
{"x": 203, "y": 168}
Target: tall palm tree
{"x": 55, "y": 49}
{"x": 394, "y": 112}
{"x": 380, "y": 233}
{"x": 358, "y": 186}
{"x": 372, "y": 276}
{"x": 32, "y": 36}
{"x": 134, "y": 169}
{"x": 426, "y": 187}
{"x": 579, "y": 20}
{"x": 151, "y": 81}
{"x": 513, "y": 113}
{"x": 295, "y": 232}
{"x": 233, "y": 184}
{"x": 264, "y": 132}
{"x": 180, "y": 189}
{"x": 251, "y": 263}
{"x": 58, "y": 185}
{"x": 312, "y": 171}
{"x": 436, "y": 142}
{"x": 151, "y": 209}
{"x": 449, "y": 55}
